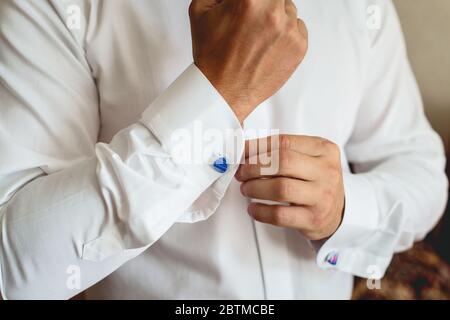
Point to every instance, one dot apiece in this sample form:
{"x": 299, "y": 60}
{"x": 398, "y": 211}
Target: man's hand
{"x": 309, "y": 178}
{"x": 247, "y": 49}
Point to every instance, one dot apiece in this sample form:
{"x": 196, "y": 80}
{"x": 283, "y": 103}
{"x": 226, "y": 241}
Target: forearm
{"x": 106, "y": 209}
{"x": 44, "y": 228}
{"x": 413, "y": 184}
{"x": 49, "y": 225}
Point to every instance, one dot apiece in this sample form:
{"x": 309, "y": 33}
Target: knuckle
{"x": 274, "y": 21}
{"x": 284, "y": 189}
{"x": 303, "y": 37}
{"x": 302, "y": 28}
{"x": 333, "y": 172}
{"x": 292, "y": 27}
{"x": 279, "y": 215}
{"x": 325, "y": 143}
{"x": 285, "y": 142}
{"x": 330, "y": 146}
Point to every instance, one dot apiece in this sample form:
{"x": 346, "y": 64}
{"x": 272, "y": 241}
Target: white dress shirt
{"x": 89, "y": 182}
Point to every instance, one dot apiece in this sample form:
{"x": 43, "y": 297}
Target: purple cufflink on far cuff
{"x": 332, "y": 258}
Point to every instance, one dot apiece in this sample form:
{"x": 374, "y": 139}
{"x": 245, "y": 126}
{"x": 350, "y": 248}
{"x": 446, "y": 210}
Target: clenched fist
{"x": 308, "y": 178}
{"x": 247, "y": 49}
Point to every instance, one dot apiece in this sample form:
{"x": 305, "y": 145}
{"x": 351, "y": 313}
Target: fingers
{"x": 284, "y": 162}
{"x": 283, "y": 216}
{"x": 291, "y": 9}
{"x": 287, "y": 5}
{"x": 281, "y": 190}
{"x": 312, "y": 146}
{"x": 303, "y": 29}
{"x": 309, "y": 178}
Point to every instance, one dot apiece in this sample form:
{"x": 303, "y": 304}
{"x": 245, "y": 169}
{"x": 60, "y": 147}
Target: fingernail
{"x": 243, "y": 189}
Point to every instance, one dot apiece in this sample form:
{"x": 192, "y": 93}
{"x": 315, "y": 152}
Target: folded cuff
{"x": 346, "y": 250}
{"x": 197, "y": 129}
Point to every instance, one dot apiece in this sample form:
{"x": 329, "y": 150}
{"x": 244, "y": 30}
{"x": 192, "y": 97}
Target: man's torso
{"x": 136, "y": 49}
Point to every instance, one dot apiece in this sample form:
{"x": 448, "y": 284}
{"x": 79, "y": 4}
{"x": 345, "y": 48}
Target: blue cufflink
{"x": 332, "y": 258}
{"x": 220, "y": 165}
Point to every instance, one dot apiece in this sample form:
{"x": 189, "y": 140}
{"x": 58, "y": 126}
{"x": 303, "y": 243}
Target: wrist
{"x": 233, "y": 92}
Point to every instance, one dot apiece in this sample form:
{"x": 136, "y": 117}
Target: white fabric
{"x": 89, "y": 177}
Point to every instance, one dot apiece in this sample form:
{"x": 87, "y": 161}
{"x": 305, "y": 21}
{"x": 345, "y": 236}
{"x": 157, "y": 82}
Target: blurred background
{"x": 424, "y": 271}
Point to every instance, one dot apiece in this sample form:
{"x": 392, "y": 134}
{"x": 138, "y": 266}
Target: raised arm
{"x": 66, "y": 200}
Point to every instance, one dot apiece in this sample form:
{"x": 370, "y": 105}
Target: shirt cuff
{"x": 196, "y": 126}
{"x": 194, "y": 123}
{"x": 204, "y": 139}
{"x": 350, "y": 248}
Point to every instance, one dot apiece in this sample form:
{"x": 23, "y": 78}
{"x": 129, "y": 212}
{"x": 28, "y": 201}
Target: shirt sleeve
{"x": 68, "y": 203}
{"x": 398, "y": 190}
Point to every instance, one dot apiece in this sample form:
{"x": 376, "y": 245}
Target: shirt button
{"x": 220, "y": 165}
{"x": 332, "y": 258}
